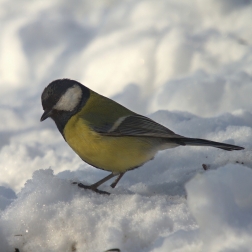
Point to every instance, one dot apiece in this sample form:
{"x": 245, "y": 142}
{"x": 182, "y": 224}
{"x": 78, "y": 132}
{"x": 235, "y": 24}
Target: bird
{"x": 106, "y": 134}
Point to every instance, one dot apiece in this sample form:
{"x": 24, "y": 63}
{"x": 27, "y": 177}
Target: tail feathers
{"x": 202, "y": 142}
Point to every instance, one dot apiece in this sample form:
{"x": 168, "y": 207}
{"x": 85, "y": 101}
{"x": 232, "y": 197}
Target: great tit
{"x": 107, "y": 135}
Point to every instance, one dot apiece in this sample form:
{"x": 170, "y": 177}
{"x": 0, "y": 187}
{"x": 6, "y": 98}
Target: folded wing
{"x": 137, "y": 125}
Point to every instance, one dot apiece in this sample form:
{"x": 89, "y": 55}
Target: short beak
{"x": 45, "y": 115}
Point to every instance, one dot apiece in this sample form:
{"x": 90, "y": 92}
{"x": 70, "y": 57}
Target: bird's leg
{"x": 113, "y": 185}
{"x": 94, "y": 186}
{"x": 100, "y": 182}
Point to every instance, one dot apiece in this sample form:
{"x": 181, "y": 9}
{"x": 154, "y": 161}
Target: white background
{"x": 186, "y": 64}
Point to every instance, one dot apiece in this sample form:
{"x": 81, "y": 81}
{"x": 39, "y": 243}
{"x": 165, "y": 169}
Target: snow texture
{"x": 186, "y": 64}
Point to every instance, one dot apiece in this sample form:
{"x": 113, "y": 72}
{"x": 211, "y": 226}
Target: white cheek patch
{"x": 70, "y": 99}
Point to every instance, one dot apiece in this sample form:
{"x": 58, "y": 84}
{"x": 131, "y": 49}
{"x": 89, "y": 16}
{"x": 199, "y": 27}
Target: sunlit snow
{"x": 186, "y": 64}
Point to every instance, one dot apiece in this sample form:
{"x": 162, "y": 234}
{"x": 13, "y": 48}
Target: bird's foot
{"x": 91, "y": 188}
{"x": 113, "y": 185}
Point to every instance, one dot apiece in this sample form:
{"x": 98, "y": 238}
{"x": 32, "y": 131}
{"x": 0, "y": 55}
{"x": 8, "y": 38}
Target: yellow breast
{"x": 116, "y": 154}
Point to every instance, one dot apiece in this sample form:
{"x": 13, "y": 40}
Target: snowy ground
{"x": 185, "y": 63}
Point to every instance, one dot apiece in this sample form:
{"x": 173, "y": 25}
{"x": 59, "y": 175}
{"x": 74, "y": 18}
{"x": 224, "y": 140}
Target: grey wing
{"x": 137, "y": 125}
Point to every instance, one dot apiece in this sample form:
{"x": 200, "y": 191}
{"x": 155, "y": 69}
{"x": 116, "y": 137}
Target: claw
{"x": 91, "y": 188}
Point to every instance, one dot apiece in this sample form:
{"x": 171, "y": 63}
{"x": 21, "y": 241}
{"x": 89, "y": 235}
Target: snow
{"x": 186, "y": 64}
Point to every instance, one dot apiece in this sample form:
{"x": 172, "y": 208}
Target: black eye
{"x": 50, "y": 96}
